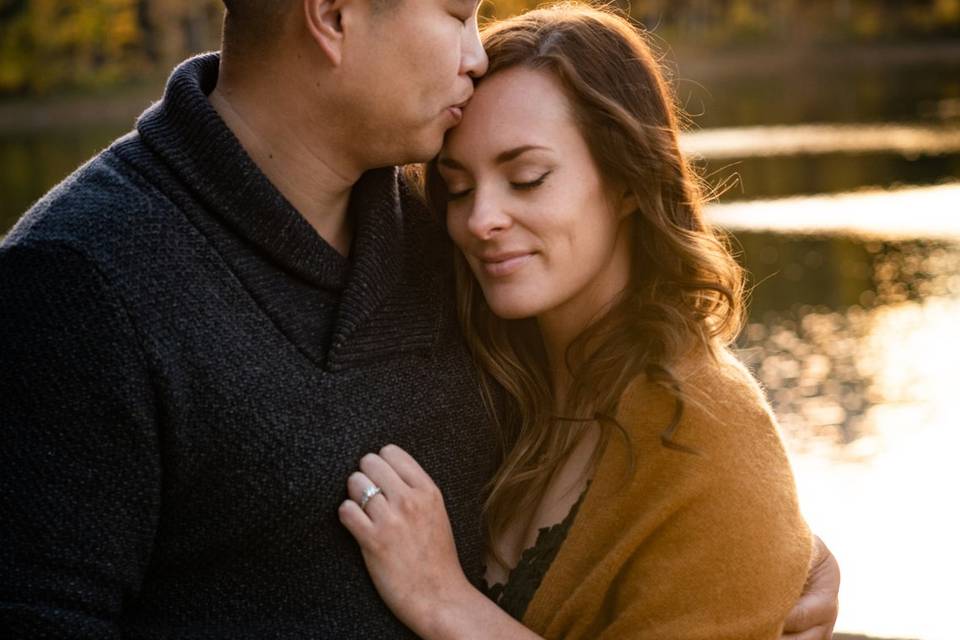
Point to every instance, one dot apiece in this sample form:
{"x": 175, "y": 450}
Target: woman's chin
{"x": 512, "y": 309}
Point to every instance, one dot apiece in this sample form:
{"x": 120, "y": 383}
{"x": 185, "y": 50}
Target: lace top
{"x": 523, "y": 581}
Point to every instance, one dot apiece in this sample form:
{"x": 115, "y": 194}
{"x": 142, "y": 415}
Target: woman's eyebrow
{"x": 502, "y": 157}
{"x": 450, "y": 163}
{"x": 516, "y": 152}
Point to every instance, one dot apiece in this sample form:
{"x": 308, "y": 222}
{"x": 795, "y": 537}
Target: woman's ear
{"x": 324, "y": 23}
{"x": 627, "y": 205}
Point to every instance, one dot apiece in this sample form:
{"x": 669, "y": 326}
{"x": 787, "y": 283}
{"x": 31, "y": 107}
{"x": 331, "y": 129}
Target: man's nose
{"x": 474, "y": 60}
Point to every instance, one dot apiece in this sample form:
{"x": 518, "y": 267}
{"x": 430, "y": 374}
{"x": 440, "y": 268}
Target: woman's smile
{"x": 504, "y": 264}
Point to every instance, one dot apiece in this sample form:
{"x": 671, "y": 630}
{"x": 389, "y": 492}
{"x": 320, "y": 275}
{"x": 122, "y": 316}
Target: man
{"x": 207, "y": 325}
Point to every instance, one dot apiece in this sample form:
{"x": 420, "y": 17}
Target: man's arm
{"x": 79, "y": 463}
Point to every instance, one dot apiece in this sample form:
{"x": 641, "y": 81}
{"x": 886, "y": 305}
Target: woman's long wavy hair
{"x": 686, "y": 288}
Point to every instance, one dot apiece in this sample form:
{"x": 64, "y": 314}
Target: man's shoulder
{"x": 105, "y": 199}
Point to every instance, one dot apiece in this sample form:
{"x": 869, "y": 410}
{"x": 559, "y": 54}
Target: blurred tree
{"x": 47, "y": 44}
{"x": 175, "y": 28}
{"x": 947, "y": 11}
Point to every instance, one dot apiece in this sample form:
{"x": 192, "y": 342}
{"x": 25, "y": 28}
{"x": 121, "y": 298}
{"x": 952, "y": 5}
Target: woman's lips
{"x": 505, "y": 266}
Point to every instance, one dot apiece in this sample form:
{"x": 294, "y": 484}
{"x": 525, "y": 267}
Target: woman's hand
{"x": 406, "y": 539}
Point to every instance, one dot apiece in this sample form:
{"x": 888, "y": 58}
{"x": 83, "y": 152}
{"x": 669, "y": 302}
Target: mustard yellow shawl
{"x": 709, "y": 546}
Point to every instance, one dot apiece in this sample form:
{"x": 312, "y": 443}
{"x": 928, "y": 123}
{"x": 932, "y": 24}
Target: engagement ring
{"x": 368, "y": 493}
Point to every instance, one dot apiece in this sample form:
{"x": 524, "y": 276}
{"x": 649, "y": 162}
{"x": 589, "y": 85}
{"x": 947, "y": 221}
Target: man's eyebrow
{"x": 502, "y": 157}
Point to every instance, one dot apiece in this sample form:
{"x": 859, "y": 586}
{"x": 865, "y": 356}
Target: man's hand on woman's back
{"x": 814, "y": 615}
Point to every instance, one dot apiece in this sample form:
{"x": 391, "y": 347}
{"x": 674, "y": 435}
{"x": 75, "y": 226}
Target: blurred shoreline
{"x": 123, "y": 103}
{"x": 847, "y": 636}
{"x": 764, "y": 60}
{"x": 76, "y": 109}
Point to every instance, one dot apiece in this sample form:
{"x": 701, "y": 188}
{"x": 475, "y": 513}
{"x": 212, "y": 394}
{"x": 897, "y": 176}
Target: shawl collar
{"x": 188, "y": 134}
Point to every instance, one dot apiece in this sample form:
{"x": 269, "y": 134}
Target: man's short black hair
{"x": 250, "y": 23}
{"x": 253, "y": 24}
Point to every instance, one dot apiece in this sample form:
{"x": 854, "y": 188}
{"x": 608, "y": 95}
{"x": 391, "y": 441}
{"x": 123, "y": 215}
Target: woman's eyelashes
{"x": 458, "y": 194}
{"x": 531, "y": 184}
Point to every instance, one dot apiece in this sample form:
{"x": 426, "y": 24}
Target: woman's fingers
{"x": 401, "y": 481}
{"x": 356, "y": 521}
{"x": 357, "y": 483}
{"x": 383, "y": 475}
{"x": 405, "y": 466}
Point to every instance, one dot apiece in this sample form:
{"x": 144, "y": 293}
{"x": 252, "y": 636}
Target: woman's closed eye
{"x": 455, "y": 194}
{"x": 532, "y": 184}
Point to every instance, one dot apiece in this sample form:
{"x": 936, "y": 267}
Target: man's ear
{"x": 323, "y": 21}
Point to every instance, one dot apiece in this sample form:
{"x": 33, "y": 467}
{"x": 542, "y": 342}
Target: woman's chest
{"x": 563, "y": 491}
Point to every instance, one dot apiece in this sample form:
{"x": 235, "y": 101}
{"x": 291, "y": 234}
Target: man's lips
{"x": 457, "y": 110}
{"x": 504, "y": 264}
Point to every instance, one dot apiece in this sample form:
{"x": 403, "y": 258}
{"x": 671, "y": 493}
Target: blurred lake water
{"x": 844, "y": 202}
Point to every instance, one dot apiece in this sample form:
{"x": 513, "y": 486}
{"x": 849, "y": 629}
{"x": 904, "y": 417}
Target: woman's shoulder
{"x": 723, "y": 462}
{"x": 721, "y": 495}
{"x": 723, "y": 410}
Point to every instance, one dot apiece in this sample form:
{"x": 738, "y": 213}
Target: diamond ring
{"x": 368, "y": 493}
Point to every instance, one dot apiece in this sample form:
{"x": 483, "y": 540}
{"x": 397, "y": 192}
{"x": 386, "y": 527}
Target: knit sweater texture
{"x": 702, "y": 540}
{"x": 189, "y": 375}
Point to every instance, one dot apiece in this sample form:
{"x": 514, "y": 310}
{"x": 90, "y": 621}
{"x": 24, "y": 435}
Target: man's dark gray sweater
{"x": 190, "y": 373}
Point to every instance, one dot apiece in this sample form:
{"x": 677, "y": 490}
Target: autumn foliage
{"x": 55, "y": 44}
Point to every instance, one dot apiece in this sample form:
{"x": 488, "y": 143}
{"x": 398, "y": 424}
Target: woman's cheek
{"x": 456, "y": 227}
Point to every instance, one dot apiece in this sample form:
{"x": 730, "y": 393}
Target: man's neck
{"x": 312, "y": 178}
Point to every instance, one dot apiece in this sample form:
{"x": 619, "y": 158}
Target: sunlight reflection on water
{"x": 883, "y": 501}
{"x": 860, "y": 358}
{"x": 928, "y": 212}
{"x": 740, "y": 142}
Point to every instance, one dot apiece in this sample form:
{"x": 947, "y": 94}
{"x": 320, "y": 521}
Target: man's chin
{"x": 416, "y": 146}
{"x": 423, "y": 151}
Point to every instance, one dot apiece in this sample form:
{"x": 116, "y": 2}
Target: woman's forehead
{"x": 514, "y": 108}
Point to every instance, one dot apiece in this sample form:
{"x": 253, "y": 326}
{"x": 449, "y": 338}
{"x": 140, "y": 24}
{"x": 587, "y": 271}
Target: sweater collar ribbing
{"x": 188, "y": 133}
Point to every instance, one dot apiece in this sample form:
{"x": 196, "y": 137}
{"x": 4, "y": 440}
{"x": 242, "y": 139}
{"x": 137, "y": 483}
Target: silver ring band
{"x": 369, "y": 493}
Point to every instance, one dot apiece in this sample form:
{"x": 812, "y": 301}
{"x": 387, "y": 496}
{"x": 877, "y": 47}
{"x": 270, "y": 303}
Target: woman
{"x": 644, "y": 491}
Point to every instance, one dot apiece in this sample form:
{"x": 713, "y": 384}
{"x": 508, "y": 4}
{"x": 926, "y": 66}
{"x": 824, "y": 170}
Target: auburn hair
{"x": 686, "y": 288}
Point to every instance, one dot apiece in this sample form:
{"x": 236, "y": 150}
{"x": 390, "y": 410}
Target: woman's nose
{"x": 487, "y": 218}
